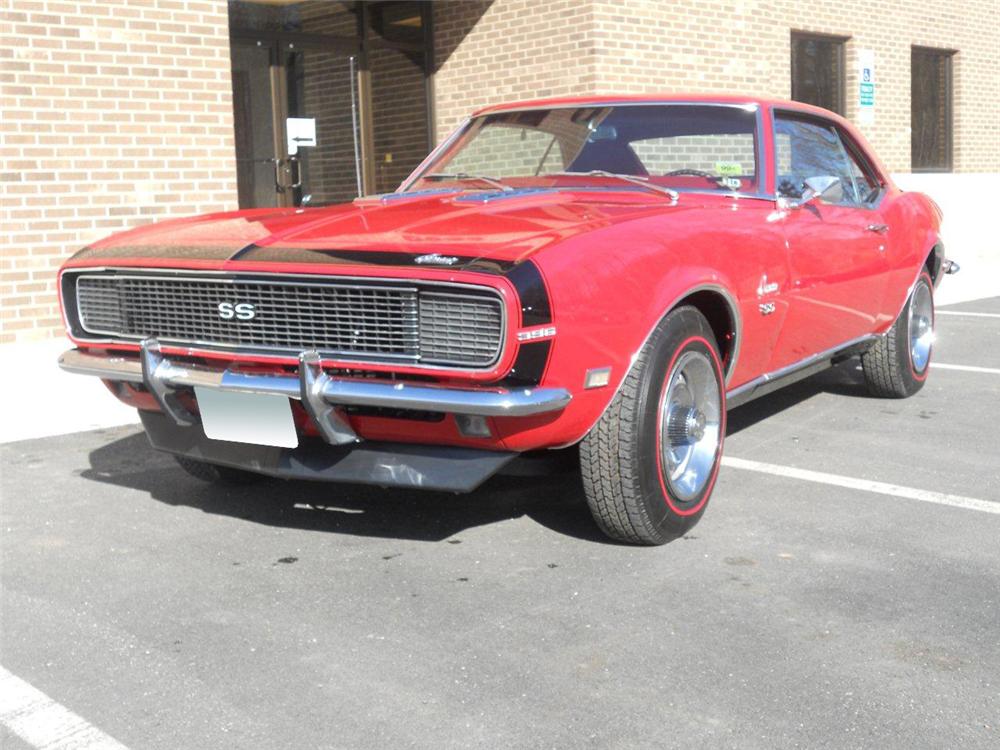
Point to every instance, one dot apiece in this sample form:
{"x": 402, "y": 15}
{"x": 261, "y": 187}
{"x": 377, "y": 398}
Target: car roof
{"x": 664, "y": 98}
{"x": 766, "y": 103}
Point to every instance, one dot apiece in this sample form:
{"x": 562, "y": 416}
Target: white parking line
{"x": 42, "y": 723}
{"x": 966, "y": 368}
{"x": 866, "y": 485}
{"x": 967, "y": 314}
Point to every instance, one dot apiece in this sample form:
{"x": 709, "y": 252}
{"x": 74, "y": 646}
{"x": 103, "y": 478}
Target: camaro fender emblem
{"x": 238, "y": 310}
{"x": 436, "y": 259}
{"x": 766, "y": 288}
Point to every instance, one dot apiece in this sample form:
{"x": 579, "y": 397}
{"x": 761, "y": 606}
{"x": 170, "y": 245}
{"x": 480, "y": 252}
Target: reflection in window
{"x": 686, "y": 147}
{"x": 309, "y": 16}
{"x": 505, "y": 150}
{"x": 807, "y": 149}
{"x": 730, "y": 154}
{"x": 818, "y": 71}
{"x": 930, "y": 109}
{"x": 866, "y": 187}
{"x": 396, "y": 21}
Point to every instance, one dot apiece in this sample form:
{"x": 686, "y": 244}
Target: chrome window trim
{"x": 847, "y": 144}
{"x": 749, "y": 106}
{"x": 432, "y": 156}
{"x": 269, "y": 353}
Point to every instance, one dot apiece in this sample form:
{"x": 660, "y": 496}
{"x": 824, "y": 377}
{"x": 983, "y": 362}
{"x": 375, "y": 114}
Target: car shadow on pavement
{"x": 554, "y": 501}
{"x": 843, "y": 380}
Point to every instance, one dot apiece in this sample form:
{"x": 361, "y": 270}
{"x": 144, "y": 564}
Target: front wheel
{"x": 896, "y": 365}
{"x": 650, "y": 463}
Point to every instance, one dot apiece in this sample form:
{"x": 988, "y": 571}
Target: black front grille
{"x": 390, "y": 321}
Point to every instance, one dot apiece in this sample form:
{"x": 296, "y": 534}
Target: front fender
{"x": 605, "y": 306}
{"x": 916, "y": 221}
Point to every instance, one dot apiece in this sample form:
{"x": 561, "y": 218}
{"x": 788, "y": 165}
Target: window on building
{"x": 818, "y": 70}
{"x": 930, "y": 110}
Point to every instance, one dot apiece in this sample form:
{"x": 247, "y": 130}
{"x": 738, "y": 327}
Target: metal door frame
{"x": 281, "y": 42}
{"x": 279, "y": 45}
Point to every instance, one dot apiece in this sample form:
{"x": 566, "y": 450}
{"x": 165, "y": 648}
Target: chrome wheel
{"x": 689, "y": 429}
{"x": 921, "y": 326}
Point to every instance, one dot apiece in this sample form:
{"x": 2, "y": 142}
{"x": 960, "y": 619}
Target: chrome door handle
{"x": 878, "y": 228}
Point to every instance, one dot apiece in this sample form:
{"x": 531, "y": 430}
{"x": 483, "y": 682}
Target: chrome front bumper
{"x": 319, "y": 392}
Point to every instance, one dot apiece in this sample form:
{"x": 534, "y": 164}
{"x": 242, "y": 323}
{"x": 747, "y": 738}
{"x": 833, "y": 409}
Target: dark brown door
{"x": 276, "y": 164}
{"x": 352, "y": 76}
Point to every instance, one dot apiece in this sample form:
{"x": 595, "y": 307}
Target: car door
{"x": 836, "y": 243}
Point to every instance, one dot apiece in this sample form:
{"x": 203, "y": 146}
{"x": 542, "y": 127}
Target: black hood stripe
{"x": 277, "y": 254}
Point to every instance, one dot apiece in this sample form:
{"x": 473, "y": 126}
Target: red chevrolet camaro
{"x": 606, "y": 274}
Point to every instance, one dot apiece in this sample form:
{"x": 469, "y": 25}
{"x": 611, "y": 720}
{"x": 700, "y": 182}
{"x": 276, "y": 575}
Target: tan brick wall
{"x": 118, "y": 112}
{"x": 511, "y": 49}
{"x": 487, "y": 52}
{"x": 115, "y": 113}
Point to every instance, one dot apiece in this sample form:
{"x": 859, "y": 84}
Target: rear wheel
{"x": 218, "y": 474}
{"x": 897, "y": 363}
{"x": 650, "y": 463}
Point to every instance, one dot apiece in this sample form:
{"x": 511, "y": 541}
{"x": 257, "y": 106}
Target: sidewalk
{"x": 37, "y": 399}
{"x": 967, "y": 202}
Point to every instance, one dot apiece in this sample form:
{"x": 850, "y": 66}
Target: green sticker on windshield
{"x": 728, "y": 168}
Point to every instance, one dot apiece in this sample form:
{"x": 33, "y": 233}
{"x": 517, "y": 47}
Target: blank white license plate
{"x": 260, "y": 419}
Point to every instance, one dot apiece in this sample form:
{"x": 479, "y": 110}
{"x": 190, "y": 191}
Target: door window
{"x": 808, "y": 148}
{"x": 866, "y": 186}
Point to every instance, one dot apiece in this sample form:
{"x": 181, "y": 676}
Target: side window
{"x": 866, "y": 187}
{"x": 807, "y": 148}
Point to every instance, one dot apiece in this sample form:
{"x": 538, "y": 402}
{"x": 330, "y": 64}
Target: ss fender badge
{"x": 435, "y": 259}
{"x": 766, "y": 308}
{"x": 533, "y": 334}
{"x": 238, "y": 310}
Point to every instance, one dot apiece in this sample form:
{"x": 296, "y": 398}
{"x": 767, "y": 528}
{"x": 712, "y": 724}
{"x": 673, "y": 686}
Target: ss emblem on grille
{"x": 239, "y": 310}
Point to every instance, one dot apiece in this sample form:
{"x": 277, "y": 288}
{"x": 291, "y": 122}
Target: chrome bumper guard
{"x": 319, "y": 392}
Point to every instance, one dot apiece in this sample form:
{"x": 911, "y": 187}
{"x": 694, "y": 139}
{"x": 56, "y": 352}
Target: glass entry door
{"x": 330, "y": 97}
{"x": 296, "y": 124}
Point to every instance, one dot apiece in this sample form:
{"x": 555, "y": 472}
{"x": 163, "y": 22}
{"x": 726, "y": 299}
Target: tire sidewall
{"x": 681, "y": 331}
{"x": 903, "y": 343}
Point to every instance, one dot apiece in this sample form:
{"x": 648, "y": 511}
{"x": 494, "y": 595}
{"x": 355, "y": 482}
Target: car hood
{"x": 430, "y": 228}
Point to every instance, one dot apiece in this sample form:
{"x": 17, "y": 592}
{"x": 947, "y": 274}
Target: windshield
{"x": 680, "y": 146}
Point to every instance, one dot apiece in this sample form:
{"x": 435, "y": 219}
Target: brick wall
{"x": 510, "y": 49}
{"x": 115, "y": 113}
{"x": 490, "y": 51}
{"x": 119, "y": 112}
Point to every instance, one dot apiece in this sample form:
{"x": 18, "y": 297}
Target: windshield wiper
{"x": 630, "y": 178}
{"x": 493, "y": 181}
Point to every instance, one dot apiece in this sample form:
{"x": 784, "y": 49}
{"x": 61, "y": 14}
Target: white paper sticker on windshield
{"x": 728, "y": 168}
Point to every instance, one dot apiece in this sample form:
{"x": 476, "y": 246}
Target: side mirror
{"x": 816, "y": 188}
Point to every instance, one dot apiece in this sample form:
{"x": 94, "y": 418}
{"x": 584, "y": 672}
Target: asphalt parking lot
{"x": 803, "y": 611}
